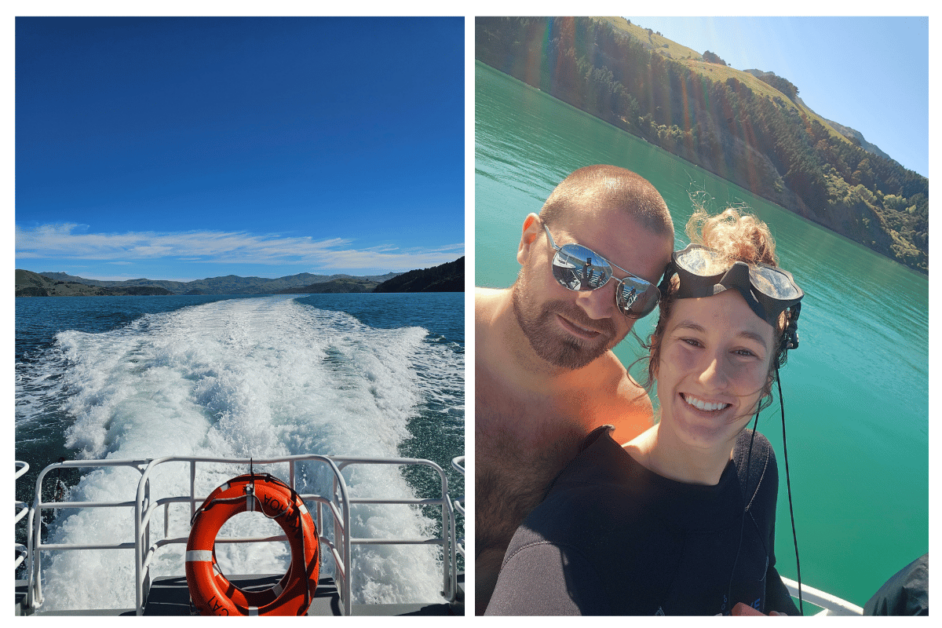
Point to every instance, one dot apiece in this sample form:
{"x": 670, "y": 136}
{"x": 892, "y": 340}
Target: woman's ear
{"x": 532, "y": 228}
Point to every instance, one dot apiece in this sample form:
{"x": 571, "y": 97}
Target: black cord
{"x": 742, "y": 525}
{"x": 788, "y": 482}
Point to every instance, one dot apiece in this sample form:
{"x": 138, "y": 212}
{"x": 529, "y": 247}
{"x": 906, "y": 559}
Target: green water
{"x": 856, "y": 391}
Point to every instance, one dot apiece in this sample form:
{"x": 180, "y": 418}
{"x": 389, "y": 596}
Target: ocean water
{"x": 143, "y": 377}
{"x": 856, "y": 391}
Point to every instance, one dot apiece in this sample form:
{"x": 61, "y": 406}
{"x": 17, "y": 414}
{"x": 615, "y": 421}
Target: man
{"x": 545, "y": 375}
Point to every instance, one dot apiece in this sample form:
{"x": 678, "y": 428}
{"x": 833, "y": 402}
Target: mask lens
{"x": 701, "y": 262}
{"x": 578, "y": 268}
{"x": 773, "y": 283}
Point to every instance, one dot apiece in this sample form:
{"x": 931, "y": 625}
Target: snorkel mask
{"x": 768, "y": 291}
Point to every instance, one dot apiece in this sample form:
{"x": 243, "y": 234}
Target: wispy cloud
{"x": 69, "y": 241}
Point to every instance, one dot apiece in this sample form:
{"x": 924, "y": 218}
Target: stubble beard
{"x": 539, "y": 325}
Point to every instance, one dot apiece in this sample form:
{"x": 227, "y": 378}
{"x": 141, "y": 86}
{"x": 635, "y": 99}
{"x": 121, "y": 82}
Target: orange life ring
{"x": 211, "y": 592}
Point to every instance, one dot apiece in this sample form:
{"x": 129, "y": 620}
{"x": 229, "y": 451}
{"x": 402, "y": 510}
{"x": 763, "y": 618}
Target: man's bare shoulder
{"x": 622, "y": 401}
{"x": 487, "y": 299}
{"x": 623, "y": 386}
{"x": 634, "y": 393}
{"x": 629, "y": 388}
{"x": 488, "y": 303}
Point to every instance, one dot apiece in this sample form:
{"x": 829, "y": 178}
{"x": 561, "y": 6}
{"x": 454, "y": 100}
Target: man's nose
{"x": 598, "y": 303}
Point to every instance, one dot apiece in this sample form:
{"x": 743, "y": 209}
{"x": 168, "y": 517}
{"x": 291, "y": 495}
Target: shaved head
{"x": 597, "y": 187}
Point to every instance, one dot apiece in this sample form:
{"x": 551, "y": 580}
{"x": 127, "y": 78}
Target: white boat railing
{"x": 829, "y": 604}
{"x": 22, "y": 509}
{"x": 458, "y": 502}
{"x": 337, "y": 505}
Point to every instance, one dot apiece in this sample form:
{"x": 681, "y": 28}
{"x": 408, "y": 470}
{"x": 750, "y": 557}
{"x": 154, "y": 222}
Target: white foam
{"x": 254, "y": 377}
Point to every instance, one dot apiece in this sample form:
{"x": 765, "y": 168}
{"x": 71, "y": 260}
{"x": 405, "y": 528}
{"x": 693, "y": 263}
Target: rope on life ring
{"x": 210, "y": 590}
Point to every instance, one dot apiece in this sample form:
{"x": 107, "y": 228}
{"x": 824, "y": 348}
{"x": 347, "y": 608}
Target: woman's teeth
{"x": 706, "y": 406}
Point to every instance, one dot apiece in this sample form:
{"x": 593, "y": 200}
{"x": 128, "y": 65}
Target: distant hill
{"x": 230, "y": 284}
{"x": 335, "y": 286}
{"x": 30, "y": 284}
{"x": 857, "y": 138}
{"x": 445, "y": 278}
{"x": 749, "y": 127}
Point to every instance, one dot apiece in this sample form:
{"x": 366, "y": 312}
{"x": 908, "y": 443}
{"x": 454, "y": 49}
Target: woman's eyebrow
{"x": 750, "y": 335}
{"x": 686, "y": 324}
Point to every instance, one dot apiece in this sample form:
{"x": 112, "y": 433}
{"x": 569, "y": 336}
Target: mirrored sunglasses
{"x": 581, "y": 269}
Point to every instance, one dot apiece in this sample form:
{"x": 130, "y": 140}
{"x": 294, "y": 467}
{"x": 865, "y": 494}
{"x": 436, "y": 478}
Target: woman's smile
{"x": 702, "y": 404}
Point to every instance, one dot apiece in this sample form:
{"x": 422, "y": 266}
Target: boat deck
{"x": 169, "y": 596}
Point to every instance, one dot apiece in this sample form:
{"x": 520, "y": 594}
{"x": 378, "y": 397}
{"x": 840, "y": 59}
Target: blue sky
{"x": 184, "y": 148}
{"x": 868, "y": 73}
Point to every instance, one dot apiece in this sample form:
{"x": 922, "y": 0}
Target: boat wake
{"x": 261, "y": 378}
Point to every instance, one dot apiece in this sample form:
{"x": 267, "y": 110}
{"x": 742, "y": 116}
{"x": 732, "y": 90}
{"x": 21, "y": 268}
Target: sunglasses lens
{"x": 636, "y": 299}
{"x": 578, "y": 268}
{"x": 581, "y": 269}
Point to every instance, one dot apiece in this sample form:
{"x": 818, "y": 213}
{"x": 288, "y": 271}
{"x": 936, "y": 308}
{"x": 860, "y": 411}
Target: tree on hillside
{"x": 711, "y": 57}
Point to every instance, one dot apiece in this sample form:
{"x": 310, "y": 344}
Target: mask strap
{"x": 791, "y": 330}
{"x": 665, "y": 284}
{"x": 789, "y": 335}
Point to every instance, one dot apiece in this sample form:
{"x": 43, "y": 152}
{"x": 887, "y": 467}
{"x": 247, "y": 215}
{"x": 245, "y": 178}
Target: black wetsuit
{"x": 613, "y": 538}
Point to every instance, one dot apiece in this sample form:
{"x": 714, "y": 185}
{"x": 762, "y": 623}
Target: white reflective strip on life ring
{"x": 302, "y": 508}
{"x": 277, "y": 589}
{"x": 253, "y": 610}
{"x": 199, "y": 556}
{"x": 249, "y": 502}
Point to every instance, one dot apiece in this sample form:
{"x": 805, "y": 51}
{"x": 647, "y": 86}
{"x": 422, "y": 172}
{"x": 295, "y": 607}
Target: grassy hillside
{"x": 715, "y": 72}
{"x": 749, "y": 127}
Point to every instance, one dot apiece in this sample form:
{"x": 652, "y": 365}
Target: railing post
{"x": 138, "y": 558}
{"x": 446, "y": 557}
{"x": 21, "y": 552}
{"x": 35, "y": 593}
{"x": 347, "y": 555}
{"x": 192, "y": 489}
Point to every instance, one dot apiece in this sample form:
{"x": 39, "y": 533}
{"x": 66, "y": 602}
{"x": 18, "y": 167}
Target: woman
{"x": 679, "y": 521}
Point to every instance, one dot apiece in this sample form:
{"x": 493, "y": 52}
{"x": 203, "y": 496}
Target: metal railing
{"x": 22, "y": 510}
{"x": 337, "y": 505}
{"x": 458, "y": 502}
{"x": 829, "y": 604}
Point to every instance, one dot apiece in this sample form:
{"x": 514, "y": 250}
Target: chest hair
{"x": 512, "y": 473}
